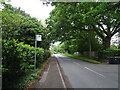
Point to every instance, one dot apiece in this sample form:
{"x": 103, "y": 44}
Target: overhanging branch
{"x": 97, "y": 31}
{"x": 102, "y": 28}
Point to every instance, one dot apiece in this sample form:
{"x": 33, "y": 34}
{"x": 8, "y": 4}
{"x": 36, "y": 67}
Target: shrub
{"x": 108, "y": 53}
{"x": 18, "y": 59}
{"x": 47, "y": 54}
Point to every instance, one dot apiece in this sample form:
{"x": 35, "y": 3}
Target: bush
{"x": 47, "y": 54}
{"x": 18, "y": 59}
{"x": 104, "y": 54}
{"x": 73, "y": 48}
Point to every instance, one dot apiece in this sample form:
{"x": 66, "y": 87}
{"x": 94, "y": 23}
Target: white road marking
{"x": 61, "y": 76}
{"x": 94, "y": 71}
{"x": 43, "y": 79}
{"x": 77, "y": 63}
{"x": 48, "y": 68}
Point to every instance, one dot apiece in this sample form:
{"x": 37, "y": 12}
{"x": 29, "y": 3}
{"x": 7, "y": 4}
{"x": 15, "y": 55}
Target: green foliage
{"x": 47, "y": 54}
{"x": 18, "y": 34}
{"x": 72, "y": 48}
{"x": 25, "y": 80}
{"x": 108, "y": 53}
{"x": 16, "y": 24}
{"x": 82, "y": 44}
{"x": 18, "y": 59}
{"x": 67, "y": 20}
{"x": 82, "y": 58}
{"x": 58, "y": 49}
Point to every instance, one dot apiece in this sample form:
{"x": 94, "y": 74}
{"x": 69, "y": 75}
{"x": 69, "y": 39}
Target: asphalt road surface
{"x": 87, "y": 75}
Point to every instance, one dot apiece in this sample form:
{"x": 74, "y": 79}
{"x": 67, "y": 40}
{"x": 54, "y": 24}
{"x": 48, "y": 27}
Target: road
{"x": 87, "y": 75}
{"x": 51, "y": 77}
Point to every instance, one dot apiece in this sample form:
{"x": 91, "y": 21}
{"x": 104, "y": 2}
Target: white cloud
{"x": 33, "y": 7}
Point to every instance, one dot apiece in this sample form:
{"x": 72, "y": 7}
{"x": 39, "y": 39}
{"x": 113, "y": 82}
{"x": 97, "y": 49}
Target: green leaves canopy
{"x": 16, "y": 24}
{"x": 67, "y": 20}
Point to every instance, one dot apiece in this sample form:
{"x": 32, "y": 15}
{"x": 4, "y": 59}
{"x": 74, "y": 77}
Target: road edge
{"x": 43, "y": 69}
{"x": 65, "y": 78}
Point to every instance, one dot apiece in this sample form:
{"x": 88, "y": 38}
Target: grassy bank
{"x": 82, "y": 58}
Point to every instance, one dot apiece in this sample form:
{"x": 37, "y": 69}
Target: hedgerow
{"x": 18, "y": 59}
{"x": 108, "y": 53}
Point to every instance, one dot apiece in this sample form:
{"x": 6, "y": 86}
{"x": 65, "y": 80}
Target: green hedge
{"x": 108, "y": 53}
{"x": 47, "y": 54}
{"x": 18, "y": 59}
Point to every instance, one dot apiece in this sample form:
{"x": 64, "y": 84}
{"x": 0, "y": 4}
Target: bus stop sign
{"x": 38, "y": 37}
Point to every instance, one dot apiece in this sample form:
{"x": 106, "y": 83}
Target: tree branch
{"x": 99, "y": 34}
{"x": 102, "y": 28}
{"x": 115, "y": 29}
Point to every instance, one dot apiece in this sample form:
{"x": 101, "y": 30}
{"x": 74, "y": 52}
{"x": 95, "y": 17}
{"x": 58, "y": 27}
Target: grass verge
{"x": 82, "y": 58}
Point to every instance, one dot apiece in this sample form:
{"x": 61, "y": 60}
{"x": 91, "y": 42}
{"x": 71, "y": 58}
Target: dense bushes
{"x": 18, "y": 59}
{"x": 47, "y": 54}
{"x": 108, "y": 53}
{"x": 19, "y": 30}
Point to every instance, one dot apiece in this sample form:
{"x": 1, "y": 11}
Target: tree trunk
{"x": 90, "y": 48}
{"x": 106, "y": 42}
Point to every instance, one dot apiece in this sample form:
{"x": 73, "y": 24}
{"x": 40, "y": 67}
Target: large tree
{"x": 105, "y": 21}
{"x": 67, "y": 20}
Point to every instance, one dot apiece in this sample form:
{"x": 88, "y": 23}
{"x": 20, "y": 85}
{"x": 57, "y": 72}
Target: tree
{"x": 16, "y": 24}
{"x": 105, "y": 21}
{"x": 88, "y": 43}
{"x": 67, "y": 20}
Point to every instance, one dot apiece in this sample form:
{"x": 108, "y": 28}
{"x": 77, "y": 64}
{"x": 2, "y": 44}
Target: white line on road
{"x": 94, "y": 71}
{"x": 48, "y": 68}
{"x": 90, "y": 70}
{"x": 61, "y": 76}
{"x": 77, "y": 63}
{"x": 43, "y": 79}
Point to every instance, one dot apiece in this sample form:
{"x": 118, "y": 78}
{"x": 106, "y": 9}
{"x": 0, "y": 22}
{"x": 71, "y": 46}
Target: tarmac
{"x": 52, "y": 77}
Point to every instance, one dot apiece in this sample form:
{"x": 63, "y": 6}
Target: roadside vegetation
{"x": 84, "y": 29}
{"x": 26, "y": 80}
{"x": 18, "y": 40}
{"x": 82, "y": 58}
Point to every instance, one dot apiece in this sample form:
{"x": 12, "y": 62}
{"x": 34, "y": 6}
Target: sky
{"x": 33, "y": 7}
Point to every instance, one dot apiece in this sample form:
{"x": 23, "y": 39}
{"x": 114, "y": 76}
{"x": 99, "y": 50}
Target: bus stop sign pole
{"x": 37, "y": 38}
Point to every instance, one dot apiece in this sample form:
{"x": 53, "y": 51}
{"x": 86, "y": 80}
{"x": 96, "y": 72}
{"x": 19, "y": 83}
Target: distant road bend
{"x": 87, "y": 75}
